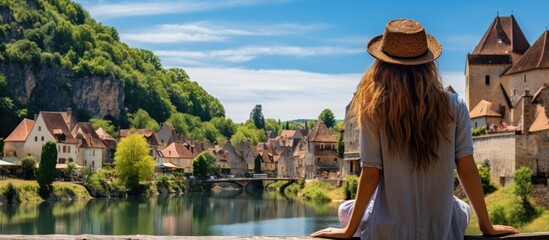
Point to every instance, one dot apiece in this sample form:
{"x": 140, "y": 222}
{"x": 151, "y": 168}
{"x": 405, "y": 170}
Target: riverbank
{"x": 27, "y": 191}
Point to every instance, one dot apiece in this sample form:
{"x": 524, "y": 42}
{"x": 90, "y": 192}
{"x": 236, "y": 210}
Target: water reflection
{"x": 226, "y": 213}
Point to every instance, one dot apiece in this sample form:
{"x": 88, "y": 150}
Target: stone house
{"x": 321, "y": 159}
{"x": 298, "y": 159}
{"x": 239, "y": 160}
{"x": 178, "y": 155}
{"x": 55, "y": 127}
{"x": 167, "y": 135}
{"x": 269, "y": 157}
{"x": 351, "y": 155}
{"x": 110, "y": 143}
{"x": 149, "y": 135}
{"x": 501, "y": 73}
{"x": 14, "y": 144}
{"x": 92, "y": 152}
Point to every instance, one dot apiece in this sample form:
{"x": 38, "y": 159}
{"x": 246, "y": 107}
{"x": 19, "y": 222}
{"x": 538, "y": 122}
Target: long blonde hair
{"x": 410, "y": 105}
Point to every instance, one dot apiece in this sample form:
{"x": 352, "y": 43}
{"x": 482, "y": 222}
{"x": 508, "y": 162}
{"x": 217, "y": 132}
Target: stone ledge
{"x": 522, "y": 236}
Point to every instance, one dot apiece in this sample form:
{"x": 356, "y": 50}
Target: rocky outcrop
{"x": 44, "y": 88}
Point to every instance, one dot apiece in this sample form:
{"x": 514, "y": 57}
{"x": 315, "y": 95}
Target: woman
{"x": 413, "y": 136}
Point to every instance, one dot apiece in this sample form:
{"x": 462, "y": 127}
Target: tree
{"x": 141, "y": 119}
{"x": 225, "y": 126}
{"x": 257, "y": 116}
{"x": 272, "y": 125}
{"x": 105, "y": 124}
{"x": 28, "y": 165}
{"x": 132, "y": 162}
{"x": 1, "y": 147}
{"x": 327, "y": 116}
{"x": 340, "y": 145}
{"x": 46, "y": 171}
{"x": 257, "y": 163}
{"x": 205, "y": 165}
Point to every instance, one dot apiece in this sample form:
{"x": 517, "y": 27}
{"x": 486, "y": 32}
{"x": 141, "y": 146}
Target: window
{"x": 58, "y": 149}
{"x": 64, "y": 148}
{"x": 36, "y": 139}
{"x": 93, "y": 152}
{"x": 318, "y": 160}
{"x": 69, "y": 149}
{"x": 335, "y": 160}
{"x": 321, "y": 146}
{"x": 39, "y": 128}
{"x": 487, "y": 79}
{"x": 42, "y": 138}
{"x": 333, "y": 146}
{"x": 514, "y": 92}
{"x": 524, "y": 77}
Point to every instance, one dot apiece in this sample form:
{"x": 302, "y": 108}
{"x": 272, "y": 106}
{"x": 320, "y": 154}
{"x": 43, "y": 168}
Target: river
{"x": 227, "y": 213}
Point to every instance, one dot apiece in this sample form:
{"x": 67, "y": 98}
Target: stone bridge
{"x": 244, "y": 182}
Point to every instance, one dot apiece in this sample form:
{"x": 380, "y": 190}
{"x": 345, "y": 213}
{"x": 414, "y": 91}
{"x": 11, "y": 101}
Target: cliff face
{"x": 56, "y": 89}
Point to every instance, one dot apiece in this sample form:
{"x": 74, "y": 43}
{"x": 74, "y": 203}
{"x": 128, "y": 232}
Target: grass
{"x": 318, "y": 191}
{"x": 505, "y": 198}
{"x": 27, "y": 191}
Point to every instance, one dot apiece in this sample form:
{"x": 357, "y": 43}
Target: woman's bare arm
{"x": 367, "y": 184}
{"x": 470, "y": 180}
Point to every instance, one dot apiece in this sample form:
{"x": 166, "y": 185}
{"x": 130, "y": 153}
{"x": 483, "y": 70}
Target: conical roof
{"x": 504, "y": 36}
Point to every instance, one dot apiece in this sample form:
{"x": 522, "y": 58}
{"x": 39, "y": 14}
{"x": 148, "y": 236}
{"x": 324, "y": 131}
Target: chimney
{"x": 528, "y": 112}
{"x": 70, "y": 121}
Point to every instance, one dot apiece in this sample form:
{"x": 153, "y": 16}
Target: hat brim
{"x": 433, "y": 52}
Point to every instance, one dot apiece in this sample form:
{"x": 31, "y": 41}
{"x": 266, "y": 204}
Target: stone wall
{"x": 475, "y": 87}
{"x": 500, "y": 151}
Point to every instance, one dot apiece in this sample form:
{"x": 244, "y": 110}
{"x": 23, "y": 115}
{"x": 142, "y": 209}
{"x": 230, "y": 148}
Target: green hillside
{"x": 57, "y": 43}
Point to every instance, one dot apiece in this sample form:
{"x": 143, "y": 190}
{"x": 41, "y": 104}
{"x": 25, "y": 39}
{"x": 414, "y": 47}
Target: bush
{"x": 523, "y": 183}
{"x": 487, "y": 185}
{"x": 317, "y": 192}
{"x": 478, "y": 131}
{"x": 97, "y": 184}
{"x": 522, "y": 212}
{"x": 350, "y": 187}
{"x": 10, "y": 193}
{"x": 498, "y": 216}
{"x": 28, "y": 165}
{"x": 170, "y": 183}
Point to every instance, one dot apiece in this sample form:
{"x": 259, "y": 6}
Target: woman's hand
{"x": 499, "y": 230}
{"x": 338, "y": 233}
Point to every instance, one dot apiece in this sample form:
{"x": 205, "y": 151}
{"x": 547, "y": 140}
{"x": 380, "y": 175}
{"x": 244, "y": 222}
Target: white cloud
{"x": 456, "y": 80}
{"x": 284, "y": 94}
{"x": 287, "y": 94}
{"x": 245, "y": 54}
{"x": 214, "y": 31}
{"x": 126, "y": 9}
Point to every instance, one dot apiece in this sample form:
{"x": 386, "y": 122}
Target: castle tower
{"x": 501, "y": 46}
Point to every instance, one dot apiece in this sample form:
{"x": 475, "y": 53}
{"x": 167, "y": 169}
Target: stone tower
{"x": 501, "y": 46}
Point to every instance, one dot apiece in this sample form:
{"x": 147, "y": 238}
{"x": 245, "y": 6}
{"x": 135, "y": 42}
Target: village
{"x": 298, "y": 153}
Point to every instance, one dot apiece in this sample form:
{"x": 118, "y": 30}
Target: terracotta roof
{"x": 21, "y": 132}
{"x": 536, "y": 57}
{"x": 321, "y": 133}
{"x": 57, "y": 126}
{"x": 104, "y": 135}
{"x": 287, "y": 133}
{"x": 149, "y": 134}
{"x": 483, "y": 109}
{"x": 504, "y": 36}
{"x": 541, "y": 122}
{"x": 84, "y": 131}
{"x": 177, "y": 150}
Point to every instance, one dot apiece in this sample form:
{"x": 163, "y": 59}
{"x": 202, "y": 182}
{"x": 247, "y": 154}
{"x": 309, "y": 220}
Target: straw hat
{"x": 404, "y": 42}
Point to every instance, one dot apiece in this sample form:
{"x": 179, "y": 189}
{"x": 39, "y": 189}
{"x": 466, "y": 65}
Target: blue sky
{"x": 297, "y": 57}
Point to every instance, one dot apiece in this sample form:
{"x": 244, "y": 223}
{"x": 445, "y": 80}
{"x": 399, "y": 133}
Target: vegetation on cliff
{"x": 60, "y": 36}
